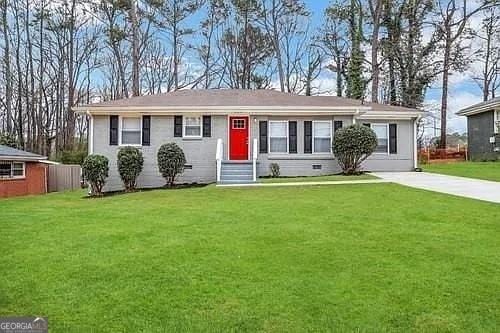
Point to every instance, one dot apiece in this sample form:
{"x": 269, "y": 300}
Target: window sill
{"x": 195, "y": 138}
{"x": 315, "y": 156}
{"x": 13, "y": 178}
{"x": 129, "y": 145}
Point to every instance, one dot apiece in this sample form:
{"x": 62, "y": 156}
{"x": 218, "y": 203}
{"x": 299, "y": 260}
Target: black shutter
{"x": 292, "y": 137}
{"x": 178, "y": 126}
{"x": 307, "y": 137}
{"x": 113, "y": 130}
{"x": 393, "y": 138}
{"x": 146, "y": 130}
{"x": 337, "y": 124}
{"x": 263, "y": 137}
{"x": 207, "y": 126}
{"x": 367, "y": 125}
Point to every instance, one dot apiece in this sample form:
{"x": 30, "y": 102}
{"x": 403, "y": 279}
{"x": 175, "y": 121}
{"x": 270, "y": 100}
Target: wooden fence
{"x": 63, "y": 177}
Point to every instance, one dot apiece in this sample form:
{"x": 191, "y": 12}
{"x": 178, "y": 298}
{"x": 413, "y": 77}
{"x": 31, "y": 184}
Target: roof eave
{"x": 472, "y": 110}
{"x": 392, "y": 114}
{"x": 223, "y": 110}
{"x": 22, "y": 158}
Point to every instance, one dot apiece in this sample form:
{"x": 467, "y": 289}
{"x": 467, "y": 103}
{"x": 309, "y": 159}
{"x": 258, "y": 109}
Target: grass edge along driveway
{"x": 378, "y": 257}
{"x": 477, "y": 170}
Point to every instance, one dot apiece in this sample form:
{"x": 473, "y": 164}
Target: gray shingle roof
{"x": 239, "y": 97}
{"x": 7, "y": 152}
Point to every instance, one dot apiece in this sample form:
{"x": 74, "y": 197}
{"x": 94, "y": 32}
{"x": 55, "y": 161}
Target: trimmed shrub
{"x": 171, "y": 162}
{"x": 73, "y": 156}
{"x": 130, "y": 163}
{"x": 95, "y": 171}
{"x": 352, "y": 145}
{"x": 275, "y": 170}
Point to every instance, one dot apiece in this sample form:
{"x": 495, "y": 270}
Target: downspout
{"x": 90, "y": 143}
{"x": 354, "y": 116}
{"x": 415, "y": 145}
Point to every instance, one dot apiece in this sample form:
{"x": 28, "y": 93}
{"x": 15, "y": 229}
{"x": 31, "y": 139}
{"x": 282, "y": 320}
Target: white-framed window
{"x": 382, "y": 132}
{"x": 322, "y": 136}
{"x": 130, "y": 131}
{"x": 278, "y": 136}
{"x": 12, "y": 169}
{"x": 239, "y": 124}
{"x": 192, "y": 127}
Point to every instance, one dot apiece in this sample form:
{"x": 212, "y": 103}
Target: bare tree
{"x": 488, "y": 53}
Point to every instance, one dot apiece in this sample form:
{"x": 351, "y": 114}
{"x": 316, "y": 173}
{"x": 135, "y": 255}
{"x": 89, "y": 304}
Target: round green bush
{"x": 171, "y": 161}
{"x": 352, "y": 145}
{"x": 95, "y": 171}
{"x": 130, "y": 163}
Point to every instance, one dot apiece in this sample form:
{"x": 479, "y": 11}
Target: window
{"x": 131, "y": 131}
{"x": 322, "y": 136}
{"x": 192, "y": 127}
{"x": 239, "y": 123}
{"x": 278, "y": 136}
{"x": 10, "y": 169}
{"x": 381, "y": 130}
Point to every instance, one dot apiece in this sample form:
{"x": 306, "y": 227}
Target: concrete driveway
{"x": 461, "y": 186}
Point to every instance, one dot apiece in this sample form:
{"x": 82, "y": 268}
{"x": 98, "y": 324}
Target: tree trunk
{"x": 444, "y": 96}
{"x": 70, "y": 124}
{"x": 136, "y": 90}
{"x": 376, "y": 12}
{"x": 7, "y": 69}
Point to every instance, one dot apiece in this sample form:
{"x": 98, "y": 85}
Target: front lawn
{"x": 329, "y": 178}
{"x": 479, "y": 170}
{"x": 364, "y": 258}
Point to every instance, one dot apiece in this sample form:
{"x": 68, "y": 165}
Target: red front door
{"x": 238, "y": 138}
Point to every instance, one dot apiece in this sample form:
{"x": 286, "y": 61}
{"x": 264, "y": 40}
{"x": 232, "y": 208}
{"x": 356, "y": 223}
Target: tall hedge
{"x": 95, "y": 171}
{"x": 352, "y": 145}
{"x": 171, "y": 161}
{"x": 130, "y": 163}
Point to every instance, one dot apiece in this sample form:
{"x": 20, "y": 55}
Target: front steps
{"x": 236, "y": 172}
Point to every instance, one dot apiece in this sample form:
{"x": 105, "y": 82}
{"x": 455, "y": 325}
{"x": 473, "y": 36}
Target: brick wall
{"x": 35, "y": 182}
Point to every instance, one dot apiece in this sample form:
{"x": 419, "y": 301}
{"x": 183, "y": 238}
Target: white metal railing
{"x": 219, "y": 155}
{"x": 254, "y": 159}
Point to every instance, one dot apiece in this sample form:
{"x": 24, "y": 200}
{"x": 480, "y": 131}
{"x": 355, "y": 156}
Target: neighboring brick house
{"x": 21, "y": 173}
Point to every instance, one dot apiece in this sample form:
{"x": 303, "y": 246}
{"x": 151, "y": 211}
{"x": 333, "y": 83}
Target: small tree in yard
{"x": 95, "y": 171}
{"x": 8, "y": 140}
{"x": 171, "y": 162}
{"x": 130, "y": 162}
{"x": 352, "y": 145}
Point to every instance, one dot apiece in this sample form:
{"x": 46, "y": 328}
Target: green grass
{"x": 479, "y": 170}
{"x": 364, "y": 258}
{"x": 330, "y": 178}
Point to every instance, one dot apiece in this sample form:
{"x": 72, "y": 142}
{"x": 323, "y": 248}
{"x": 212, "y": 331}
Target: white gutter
{"x": 472, "y": 110}
{"x": 233, "y": 108}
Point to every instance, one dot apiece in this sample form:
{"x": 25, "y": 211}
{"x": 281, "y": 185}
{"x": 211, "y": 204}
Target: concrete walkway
{"x": 461, "y": 186}
{"x": 332, "y": 182}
